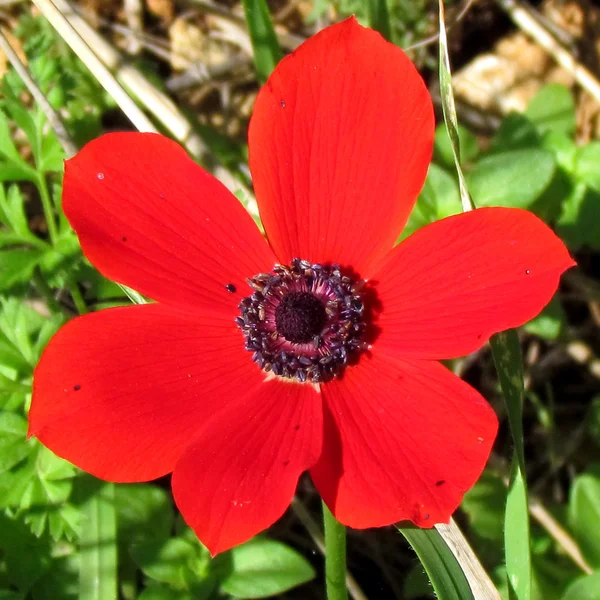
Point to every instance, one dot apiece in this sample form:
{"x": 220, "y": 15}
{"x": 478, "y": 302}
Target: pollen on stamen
{"x": 303, "y": 322}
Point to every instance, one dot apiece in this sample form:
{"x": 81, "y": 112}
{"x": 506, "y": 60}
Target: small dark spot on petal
{"x": 479, "y": 336}
{"x": 161, "y": 196}
{"x": 124, "y": 239}
{"x": 426, "y": 517}
{"x": 286, "y": 463}
{"x": 283, "y": 104}
{"x": 440, "y": 482}
{"x": 230, "y": 288}
{"x": 297, "y": 427}
{"x": 77, "y": 387}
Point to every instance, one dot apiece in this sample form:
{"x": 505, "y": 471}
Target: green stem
{"x": 47, "y": 208}
{"x": 78, "y": 299}
{"x": 335, "y": 557}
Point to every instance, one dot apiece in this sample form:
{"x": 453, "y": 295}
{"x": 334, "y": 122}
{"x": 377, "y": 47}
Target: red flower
{"x": 340, "y": 143}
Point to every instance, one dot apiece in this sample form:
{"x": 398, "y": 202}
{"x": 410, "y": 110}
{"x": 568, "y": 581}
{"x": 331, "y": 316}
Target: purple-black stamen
{"x": 304, "y": 321}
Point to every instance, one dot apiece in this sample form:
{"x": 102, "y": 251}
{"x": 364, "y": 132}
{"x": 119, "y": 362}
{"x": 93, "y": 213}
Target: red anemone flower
{"x": 316, "y": 350}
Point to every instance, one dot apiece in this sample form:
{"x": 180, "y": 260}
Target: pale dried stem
{"x": 134, "y": 15}
{"x": 479, "y": 581}
{"x": 78, "y": 44}
{"x": 560, "y": 535}
{"x": 102, "y": 59}
{"x": 529, "y": 25}
{"x": 53, "y": 117}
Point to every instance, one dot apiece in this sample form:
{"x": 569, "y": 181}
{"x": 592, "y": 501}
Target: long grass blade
{"x": 98, "y": 541}
{"x": 379, "y": 17}
{"x": 444, "y": 571}
{"x": 267, "y": 52}
{"x": 507, "y": 357}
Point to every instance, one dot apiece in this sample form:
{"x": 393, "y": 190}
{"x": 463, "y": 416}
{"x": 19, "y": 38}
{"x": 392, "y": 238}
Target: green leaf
{"x": 442, "y": 147}
{"x": 584, "y": 512}
{"x": 516, "y": 178}
{"x": 176, "y": 561}
{"x": 27, "y": 558}
{"x": 164, "y": 592}
{"x": 516, "y": 132}
{"x": 578, "y": 222}
{"x": 484, "y": 504}
{"x": 41, "y": 487}
{"x": 13, "y": 445}
{"x": 262, "y": 568}
{"x": 550, "y": 323}
{"x": 267, "y": 52}
{"x": 16, "y": 266}
{"x": 379, "y": 17}
{"x": 97, "y": 540}
{"x": 444, "y": 571}
{"x": 507, "y": 357}
{"x": 12, "y": 165}
{"x": 587, "y": 159}
{"x": 438, "y": 199}
{"x": 584, "y": 588}
{"x": 144, "y": 511}
{"x": 553, "y": 109}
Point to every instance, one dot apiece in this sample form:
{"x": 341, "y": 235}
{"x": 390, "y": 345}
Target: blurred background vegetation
{"x": 529, "y": 114}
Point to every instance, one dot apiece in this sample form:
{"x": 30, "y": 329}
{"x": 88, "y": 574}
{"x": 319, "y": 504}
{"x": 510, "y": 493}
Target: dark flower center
{"x": 300, "y": 316}
{"x": 304, "y": 321}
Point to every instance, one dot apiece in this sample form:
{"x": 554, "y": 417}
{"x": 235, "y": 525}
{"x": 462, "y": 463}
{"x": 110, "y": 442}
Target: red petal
{"x": 241, "y": 472}
{"x": 149, "y": 217}
{"x": 446, "y": 289}
{"x": 403, "y": 440}
{"x": 122, "y": 392}
{"x": 340, "y": 142}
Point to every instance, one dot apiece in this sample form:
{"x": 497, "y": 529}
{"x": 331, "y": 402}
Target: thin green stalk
{"x": 335, "y": 557}
{"x": 48, "y": 208}
{"x": 78, "y": 299}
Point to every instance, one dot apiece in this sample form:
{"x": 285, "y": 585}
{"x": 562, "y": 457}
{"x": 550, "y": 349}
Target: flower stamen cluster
{"x": 304, "y": 321}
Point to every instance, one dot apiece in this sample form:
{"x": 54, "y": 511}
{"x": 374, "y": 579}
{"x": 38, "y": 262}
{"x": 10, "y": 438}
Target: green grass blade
{"x": 98, "y": 541}
{"x": 379, "y": 17}
{"x": 443, "y": 570}
{"x": 507, "y": 357}
{"x": 449, "y": 110}
{"x": 267, "y": 52}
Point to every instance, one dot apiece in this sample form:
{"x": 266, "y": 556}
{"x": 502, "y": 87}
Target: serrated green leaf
{"x": 262, "y": 568}
{"x": 16, "y": 266}
{"x": 553, "y": 109}
{"x": 516, "y": 178}
{"x": 444, "y": 571}
{"x": 13, "y": 445}
{"x": 267, "y": 52}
